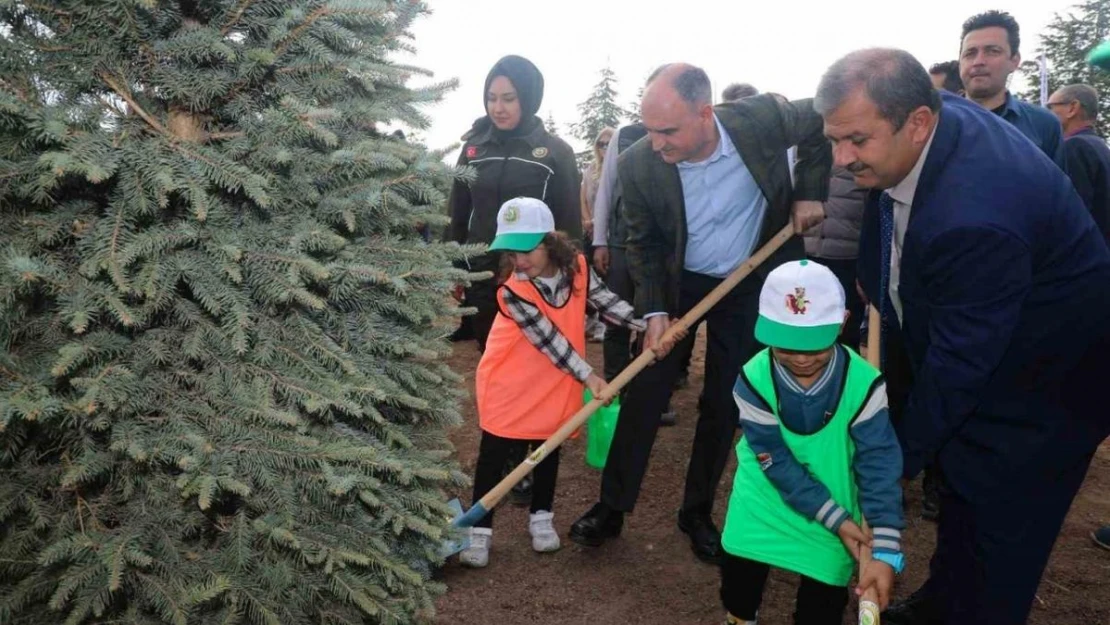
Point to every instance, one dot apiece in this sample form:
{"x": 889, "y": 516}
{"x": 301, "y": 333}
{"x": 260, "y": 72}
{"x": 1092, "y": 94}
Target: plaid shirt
{"x": 547, "y": 338}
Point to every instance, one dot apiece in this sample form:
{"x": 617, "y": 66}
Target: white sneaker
{"x": 476, "y": 556}
{"x": 544, "y": 537}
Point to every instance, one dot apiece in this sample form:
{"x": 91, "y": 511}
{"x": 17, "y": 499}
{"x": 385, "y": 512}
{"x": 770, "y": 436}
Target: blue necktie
{"x": 886, "y": 237}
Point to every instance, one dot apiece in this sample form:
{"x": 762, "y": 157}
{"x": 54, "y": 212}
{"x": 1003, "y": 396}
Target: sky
{"x": 777, "y": 45}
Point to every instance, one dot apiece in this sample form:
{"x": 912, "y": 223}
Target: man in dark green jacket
{"x": 705, "y": 189}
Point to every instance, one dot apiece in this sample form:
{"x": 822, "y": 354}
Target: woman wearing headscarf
{"x": 513, "y": 155}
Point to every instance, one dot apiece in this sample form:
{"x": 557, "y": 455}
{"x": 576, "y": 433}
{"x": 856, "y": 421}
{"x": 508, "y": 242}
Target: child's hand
{"x": 880, "y": 576}
{"x": 597, "y": 386}
{"x": 853, "y": 538}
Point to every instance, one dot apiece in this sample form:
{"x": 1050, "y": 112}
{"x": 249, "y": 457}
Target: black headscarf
{"x": 528, "y": 82}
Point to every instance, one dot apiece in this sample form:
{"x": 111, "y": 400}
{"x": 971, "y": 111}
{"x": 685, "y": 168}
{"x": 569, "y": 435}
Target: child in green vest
{"x": 818, "y": 452}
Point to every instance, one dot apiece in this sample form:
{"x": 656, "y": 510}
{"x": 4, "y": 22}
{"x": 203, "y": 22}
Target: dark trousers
{"x": 898, "y": 374}
{"x": 742, "y": 583}
{"x": 483, "y": 296}
{"x": 845, "y": 272}
{"x": 730, "y": 343}
{"x": 493, "y": 452}
{"x": 992, "y": 551}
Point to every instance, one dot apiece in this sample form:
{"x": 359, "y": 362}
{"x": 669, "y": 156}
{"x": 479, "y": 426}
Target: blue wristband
{"x": 897, "y": 561}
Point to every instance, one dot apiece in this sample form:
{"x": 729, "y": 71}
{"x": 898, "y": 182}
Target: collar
{"x": 725, "y": 148}
{"x": 904, "y": 191}
{"x": 1009, "y": 107}
{"x": 822, "y": 381}
{"x": 1086, "y": 130}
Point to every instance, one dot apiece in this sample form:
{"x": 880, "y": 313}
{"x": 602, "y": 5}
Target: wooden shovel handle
{"x": 646, "y": 358}
{"x": 869, "y": 602}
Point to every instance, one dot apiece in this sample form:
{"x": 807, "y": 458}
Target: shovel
{"x": 462, "y": 520}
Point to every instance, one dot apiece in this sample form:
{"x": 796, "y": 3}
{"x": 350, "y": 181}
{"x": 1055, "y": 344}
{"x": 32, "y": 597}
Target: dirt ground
{"x": 649, "y": 576}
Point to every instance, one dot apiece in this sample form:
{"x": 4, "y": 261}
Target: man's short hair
{"x": 692, "y": 84}
{"x": 951, "y": 72}
{"x": 1000, "y": 19}
{"x": 738, "y": 91}
{"x": 1085, "y": 95}
{"x": 893, "y": 79}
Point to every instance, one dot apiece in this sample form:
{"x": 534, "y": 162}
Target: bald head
{"x": 677, "y": 111}
{"x": 1075, "y": 105}
{"x": 691, "y": 83}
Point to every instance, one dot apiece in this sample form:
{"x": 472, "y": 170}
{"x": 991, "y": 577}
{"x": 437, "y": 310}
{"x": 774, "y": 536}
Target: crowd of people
{"x": 975, "y": 223}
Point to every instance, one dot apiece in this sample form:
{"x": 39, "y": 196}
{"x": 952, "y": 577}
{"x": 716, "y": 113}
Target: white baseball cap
{"x": 522, "y": 224}
{"x": 801, "y": 307}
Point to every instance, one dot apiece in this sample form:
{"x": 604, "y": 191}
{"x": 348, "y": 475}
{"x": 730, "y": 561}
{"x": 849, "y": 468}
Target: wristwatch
{"x": 897, "y": 561}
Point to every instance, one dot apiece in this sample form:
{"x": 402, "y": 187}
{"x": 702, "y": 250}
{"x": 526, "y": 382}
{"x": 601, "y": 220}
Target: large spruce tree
{"x": 222, "y": 395}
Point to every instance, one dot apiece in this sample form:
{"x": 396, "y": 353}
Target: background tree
{"x": 600, "y": 109}
{"x": 1066, "y": 41}
{"x": 551, "y": 125}
{"x": 222, "y": 395}
{"x": 634, "y": 107}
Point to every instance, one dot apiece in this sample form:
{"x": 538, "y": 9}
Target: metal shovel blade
{"x": 458, "y": 538}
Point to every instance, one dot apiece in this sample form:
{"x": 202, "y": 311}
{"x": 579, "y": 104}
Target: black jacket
{"x": 1088, "y": 159}
{"x": 537, "y": 165}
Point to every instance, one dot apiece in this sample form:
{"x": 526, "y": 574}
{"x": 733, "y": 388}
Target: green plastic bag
{"x": 599, "y": 431}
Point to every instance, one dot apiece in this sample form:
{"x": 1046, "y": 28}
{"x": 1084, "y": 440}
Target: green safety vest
{"x": 761, "y": 526}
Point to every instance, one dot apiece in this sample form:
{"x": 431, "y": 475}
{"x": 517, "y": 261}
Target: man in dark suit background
{"x": 984, "y": 255}
{"x": 1088, "y": 155}
{"x": 701, "y": 192}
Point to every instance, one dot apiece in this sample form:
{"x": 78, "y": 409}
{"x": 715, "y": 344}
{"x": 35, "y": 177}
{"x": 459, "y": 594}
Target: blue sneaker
{"x": 1101, "y": 536}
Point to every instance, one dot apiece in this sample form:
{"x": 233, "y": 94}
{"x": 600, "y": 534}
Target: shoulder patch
{"x": 765, "y": 461}
{"x": 539, "y": 152}
{"x": 471, "y": 151}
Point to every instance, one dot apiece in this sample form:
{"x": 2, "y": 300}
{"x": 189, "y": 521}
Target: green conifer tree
{"x": 222, "y": 394}
{"x": 1066, "y": 42}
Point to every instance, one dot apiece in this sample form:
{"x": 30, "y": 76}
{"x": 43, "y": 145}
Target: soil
{"x": 649, "y": 576}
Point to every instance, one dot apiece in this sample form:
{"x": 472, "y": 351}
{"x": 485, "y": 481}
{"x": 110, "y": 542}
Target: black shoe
{"x": 668, "y": 418}
{"x": 682, "y": 382}
{"x": 705, "y": 540}
{"x": 596, "y": 526}
{"x": 920, "y": 608}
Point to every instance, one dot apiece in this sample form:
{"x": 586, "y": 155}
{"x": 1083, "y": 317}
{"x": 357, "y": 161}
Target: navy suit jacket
{"x": 1005, "y": 288}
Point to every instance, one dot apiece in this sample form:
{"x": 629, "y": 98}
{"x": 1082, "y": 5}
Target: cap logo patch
{"x": 797, "y": 303}
{"x": 539, "y": 152}
{"x": 511, "y": 214}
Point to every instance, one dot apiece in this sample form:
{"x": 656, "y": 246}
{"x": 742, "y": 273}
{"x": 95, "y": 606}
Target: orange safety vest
{"x": 521, "y": 393}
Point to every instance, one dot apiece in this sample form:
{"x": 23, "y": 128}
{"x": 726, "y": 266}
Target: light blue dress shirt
{"x": 724, "y": 210}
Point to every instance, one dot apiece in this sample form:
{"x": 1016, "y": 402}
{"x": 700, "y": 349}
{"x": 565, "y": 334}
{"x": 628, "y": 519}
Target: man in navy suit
{"x": 979, "y": 248}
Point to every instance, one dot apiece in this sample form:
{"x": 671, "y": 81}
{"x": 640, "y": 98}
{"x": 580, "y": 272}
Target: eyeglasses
{"x": 1064, "y": 103}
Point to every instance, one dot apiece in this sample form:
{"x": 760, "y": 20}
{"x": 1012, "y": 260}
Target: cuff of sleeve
{"x": 653, "y": 314}
{"x": 887, "y": 540}
{"x": 583, "y": 371}
{"x": 832, "y": 515}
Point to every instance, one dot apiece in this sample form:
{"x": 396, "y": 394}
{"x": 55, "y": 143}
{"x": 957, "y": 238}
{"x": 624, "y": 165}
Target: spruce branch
{"x": 235, "y": 17}
{"x": 119, "y": 90}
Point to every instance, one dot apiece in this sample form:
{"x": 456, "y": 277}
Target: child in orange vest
{"x": 531, "y": 375}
